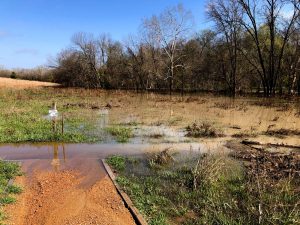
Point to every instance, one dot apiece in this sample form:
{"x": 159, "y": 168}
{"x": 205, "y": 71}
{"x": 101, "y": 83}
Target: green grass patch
{"x": 5, "y": 200}
{"x": 8, "y": 170}
{"x": 122, "y": 134}
{"x": 117, "y": 162}
{"x": 14, "y": 189}
{"x": 23, "y": 118}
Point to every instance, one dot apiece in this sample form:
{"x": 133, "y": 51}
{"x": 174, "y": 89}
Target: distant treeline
{"x": 253, "y": 46}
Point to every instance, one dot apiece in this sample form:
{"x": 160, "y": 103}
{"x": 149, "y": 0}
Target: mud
{"x": 66, "y": 184}
{"x": 56, "y": 198}
{"x": 252, "y": 116}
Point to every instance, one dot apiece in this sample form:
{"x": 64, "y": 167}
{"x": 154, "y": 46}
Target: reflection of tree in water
{"x": 56, "y": 160}
{"x": 104, "y": 119}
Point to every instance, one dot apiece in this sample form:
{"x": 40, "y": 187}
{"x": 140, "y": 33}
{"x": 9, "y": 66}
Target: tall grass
{"x": 209, "y": 190}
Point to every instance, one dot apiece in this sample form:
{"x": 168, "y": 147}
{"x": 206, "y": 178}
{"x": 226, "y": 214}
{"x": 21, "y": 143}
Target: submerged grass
{"x": 122, "y": 134}
{"x": 208, "y": 190}
{"x": 22, "y": 118}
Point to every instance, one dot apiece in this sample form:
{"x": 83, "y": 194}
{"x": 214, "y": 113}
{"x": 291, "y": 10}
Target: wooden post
{"x": 64, "y": 152}
{"x": 54, "y": 105}
{"x": 54, "y": 118}
{"x": 62, "y": 124}
{"x": 54, "y": 124}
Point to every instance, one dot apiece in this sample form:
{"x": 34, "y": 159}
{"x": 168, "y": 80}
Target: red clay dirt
{"x": 56, "y": 198}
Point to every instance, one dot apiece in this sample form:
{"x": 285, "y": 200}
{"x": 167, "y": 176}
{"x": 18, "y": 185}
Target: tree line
{"x": 252, "y": 46}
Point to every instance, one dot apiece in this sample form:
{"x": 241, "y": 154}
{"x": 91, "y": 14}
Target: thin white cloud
{"x": 4, "y": 34}
{"x": 8, "y": 34}
{"x": 27, "y": 51}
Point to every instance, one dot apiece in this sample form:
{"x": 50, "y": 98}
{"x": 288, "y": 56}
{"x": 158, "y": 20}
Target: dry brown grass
{"x": 22, "y": 84}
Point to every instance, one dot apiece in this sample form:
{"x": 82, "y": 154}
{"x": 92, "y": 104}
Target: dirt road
{"x": 58, "y": 198}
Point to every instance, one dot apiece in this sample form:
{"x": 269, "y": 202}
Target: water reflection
{"x": 104, "y": 118}
{"x": 56, "y": 160}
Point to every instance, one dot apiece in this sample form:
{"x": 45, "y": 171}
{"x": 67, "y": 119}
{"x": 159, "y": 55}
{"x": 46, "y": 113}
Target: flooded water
{"x": 86, "y": 158}
{"x": 158, "y": 122}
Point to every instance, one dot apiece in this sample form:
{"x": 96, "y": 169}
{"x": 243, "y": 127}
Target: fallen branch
{"x": 250, "y": 143}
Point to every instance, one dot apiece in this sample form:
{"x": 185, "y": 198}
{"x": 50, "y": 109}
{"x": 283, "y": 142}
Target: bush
{"x": 13, "y": 75}
{"x": 203, "y": 130}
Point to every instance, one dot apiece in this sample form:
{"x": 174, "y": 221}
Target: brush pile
{"x": 161, "y": 158}
{"x": 203, "y": 130}
{"x": 270, "y": 164}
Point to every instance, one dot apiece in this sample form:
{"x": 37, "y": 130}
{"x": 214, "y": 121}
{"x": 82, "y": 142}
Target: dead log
{"x": 250, "y": 143}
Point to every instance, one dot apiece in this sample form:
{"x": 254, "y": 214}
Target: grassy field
{"x": 23, "y": 116}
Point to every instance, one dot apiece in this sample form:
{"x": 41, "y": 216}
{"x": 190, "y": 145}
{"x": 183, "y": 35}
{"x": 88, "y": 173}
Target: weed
{"x": 160, "y": 159}
{"x": 117, "y": 162}
{"x": 13, "y": 189}
{"x": 203, "y": 130}
{"x": 122, "y": 134}
{"x": 209, "y": 190}
{"x": 7, "y": 200}
{"x": 8, "y": 170}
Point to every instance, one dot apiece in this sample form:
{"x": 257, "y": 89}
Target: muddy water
{"x": 86, "y": 158}
{"x": 163, "y": 116}
{"x": 166, "y": 116}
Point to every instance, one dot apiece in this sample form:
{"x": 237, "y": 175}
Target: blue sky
{"x": 32, "y": 31}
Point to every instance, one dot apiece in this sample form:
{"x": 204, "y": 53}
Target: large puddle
{"x": 86, "y": 158}
{"x": 157, "y": 122}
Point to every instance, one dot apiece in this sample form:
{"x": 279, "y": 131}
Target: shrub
{"x": 13, "y": 75}
{"x": 202, "y": 130}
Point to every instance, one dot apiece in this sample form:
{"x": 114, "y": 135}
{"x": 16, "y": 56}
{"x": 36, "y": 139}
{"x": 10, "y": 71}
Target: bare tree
{"x": 86, "y": 45}
{"x": 103, "y": 43}
{"x": 227, "y": 15}
{"x": 166, "y": 30}
{"x": 269, "y": 13}
{"x": 136, "y": 51}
